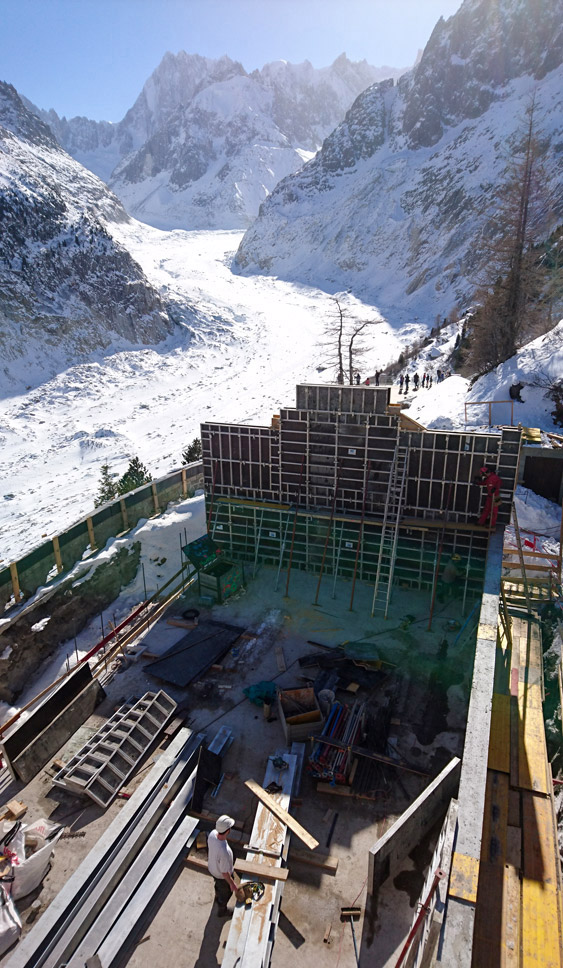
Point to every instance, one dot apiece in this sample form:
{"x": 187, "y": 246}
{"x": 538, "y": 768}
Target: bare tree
{"x": 340, "y": 340}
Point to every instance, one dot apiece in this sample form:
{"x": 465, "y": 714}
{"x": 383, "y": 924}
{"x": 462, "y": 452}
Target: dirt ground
{"x": 425, "y": 675}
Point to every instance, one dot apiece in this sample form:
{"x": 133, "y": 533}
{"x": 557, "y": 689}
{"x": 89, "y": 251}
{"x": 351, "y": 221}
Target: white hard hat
{"x": 224, "y": 823}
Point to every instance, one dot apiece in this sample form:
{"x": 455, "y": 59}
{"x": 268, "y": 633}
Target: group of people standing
{"x": 371, "y": 381}
{"x": 426, "y": 382}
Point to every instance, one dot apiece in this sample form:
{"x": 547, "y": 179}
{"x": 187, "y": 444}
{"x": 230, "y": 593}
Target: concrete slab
{"x": 429, "y": 675}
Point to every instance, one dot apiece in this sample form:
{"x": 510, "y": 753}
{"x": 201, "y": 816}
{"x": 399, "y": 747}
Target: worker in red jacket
{"x": 487, "y": 478}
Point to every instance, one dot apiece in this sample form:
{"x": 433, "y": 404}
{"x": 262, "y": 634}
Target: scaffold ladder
{"x": 390, "y": 532}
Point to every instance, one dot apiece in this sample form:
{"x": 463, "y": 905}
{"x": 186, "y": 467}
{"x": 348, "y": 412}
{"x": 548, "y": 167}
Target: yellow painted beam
{"x": 541, "y": 945}
{"x": 16, "y": 590}
{"x": 155, "y": 498}
{"x": 464, "y": 877}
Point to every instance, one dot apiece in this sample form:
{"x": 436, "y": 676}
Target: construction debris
{"x": 103, "y": 904}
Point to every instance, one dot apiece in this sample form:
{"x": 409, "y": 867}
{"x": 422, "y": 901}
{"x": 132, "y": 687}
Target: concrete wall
{"x": 388, "y": 854}
{"x": 457, "y": 944}
{"x": 59, "y": 554}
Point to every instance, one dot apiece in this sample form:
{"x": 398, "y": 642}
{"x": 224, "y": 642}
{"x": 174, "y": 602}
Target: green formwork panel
{"x": 247, "y": 533}
{"x": 73, "y": 543}
{"x": 139, "y": 504}
{"x": 34, "y": 568}
{"x": 107, "y": 523}
{"x": 5, "y": 588}
{"x": 169, "y": 489}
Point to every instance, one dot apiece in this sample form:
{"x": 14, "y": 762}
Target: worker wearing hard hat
{"x": 220, "y": 864}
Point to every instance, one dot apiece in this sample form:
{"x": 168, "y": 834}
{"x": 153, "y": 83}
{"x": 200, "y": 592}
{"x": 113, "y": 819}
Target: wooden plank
{"x": 487, "y": 937}
{"x": 514, "y": 846}
{"x": 499, "y": 740}
{"x": 252, "y": 929}
{"x": 532, "y": 752}
{"x": 514, "y": 815}
{"x": 495, "y": 817}
{"x": 539, "y": 846}
{"x": 510, "y": 931}
{"x": 281, "y": 814}
{"x": 540, "y": 941}
{"x": 258, "y": 870}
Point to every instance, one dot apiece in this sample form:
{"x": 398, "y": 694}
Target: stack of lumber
{"x": 95, "y": 917}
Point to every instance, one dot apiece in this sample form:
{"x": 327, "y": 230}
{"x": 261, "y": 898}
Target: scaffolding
{"x": 335, "y": 485}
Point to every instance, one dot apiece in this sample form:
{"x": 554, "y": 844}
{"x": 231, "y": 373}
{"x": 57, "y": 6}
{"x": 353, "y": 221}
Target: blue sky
{"x": 92, "y": 57}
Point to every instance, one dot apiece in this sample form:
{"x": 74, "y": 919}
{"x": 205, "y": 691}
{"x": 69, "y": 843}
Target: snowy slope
{"x": 243, "y": 346}
{"x": 66, "y": 286}
{"x": 536, "y": 367}
{"x": 395, "y": 202}
{"x": 205, "y": 142}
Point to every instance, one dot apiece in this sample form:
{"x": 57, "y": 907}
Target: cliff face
{"x": 394, "y": 203}
{"x": 66, "y": 287}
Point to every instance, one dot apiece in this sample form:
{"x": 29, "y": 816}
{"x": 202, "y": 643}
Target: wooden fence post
{"x": 57, "y": 551}
{"x": 16, "y": 591}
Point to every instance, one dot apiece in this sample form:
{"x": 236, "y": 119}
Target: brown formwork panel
{"x": 343, "y": 399}
{"x": 313, "y": 447}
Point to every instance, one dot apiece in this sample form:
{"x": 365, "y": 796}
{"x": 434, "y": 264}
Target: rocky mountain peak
{"x": 66, "y": 287}
{"x": 472, "y": 55}
{"x": 17, "y": 118}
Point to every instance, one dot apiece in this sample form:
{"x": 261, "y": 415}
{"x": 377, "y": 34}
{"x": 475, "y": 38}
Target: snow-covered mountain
{"x": 205, "y": 142}
{"x": 66, "y": 286}
{"x": 394, "y": 204}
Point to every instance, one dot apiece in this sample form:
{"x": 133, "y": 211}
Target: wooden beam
{"x": 57, "y": 553}
{"x": 260, "y": 870}
{"x": 155, "y": 498}
{"x": 16, "y": 591}
{"x": 281, "y": 814}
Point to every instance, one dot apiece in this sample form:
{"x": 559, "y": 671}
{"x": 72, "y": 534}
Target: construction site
{"x": 350, "y": 664}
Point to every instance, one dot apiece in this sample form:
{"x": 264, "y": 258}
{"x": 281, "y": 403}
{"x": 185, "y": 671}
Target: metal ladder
{"x": 390, "y": 532}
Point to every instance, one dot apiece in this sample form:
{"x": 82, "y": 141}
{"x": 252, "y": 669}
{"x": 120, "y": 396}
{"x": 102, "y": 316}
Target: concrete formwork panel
{"x": 388, "y": 854}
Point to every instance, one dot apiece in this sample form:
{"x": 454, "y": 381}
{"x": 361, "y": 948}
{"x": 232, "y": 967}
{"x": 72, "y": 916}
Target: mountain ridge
{"x": 193, "y": 153}
{"x": 395, "y": 201}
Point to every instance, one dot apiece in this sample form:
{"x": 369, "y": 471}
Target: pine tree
{"x": 192, "y": 452}
{"x": 108, "y": 487}
{"x": 135, "y": 475}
